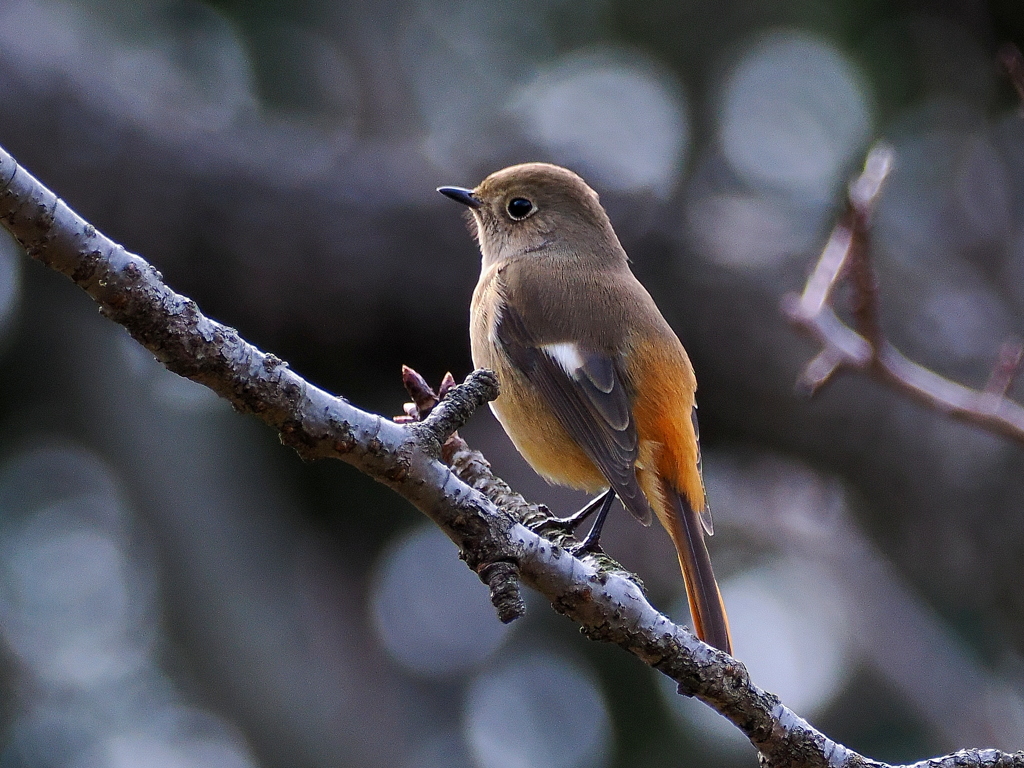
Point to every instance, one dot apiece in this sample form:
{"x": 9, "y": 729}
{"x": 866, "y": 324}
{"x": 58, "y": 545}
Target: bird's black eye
{"x": 519, "y": 208}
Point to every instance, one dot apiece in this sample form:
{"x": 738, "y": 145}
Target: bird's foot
{"x": 592, "y": 542}
{"x": 591, "y": 545}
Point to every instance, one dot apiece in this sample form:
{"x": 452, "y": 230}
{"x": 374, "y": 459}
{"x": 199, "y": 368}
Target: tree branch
{"x": 864, "y": 347}
{"x": 475, "y": 509}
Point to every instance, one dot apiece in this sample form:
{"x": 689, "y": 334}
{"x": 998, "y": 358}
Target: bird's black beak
{"x": 461, "y": 195}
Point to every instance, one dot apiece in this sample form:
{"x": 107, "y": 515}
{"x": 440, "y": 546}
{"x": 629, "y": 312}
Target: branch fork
{"x": 863, "y": 346}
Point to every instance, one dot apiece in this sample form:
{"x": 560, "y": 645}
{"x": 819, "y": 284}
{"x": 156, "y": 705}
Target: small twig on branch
{"x": 424, "y": 398}
{"x": 473, "y": 468}
{"x": 454, "y": 409}
{"x": 864, "y": 346}
{"x": 502, "y": 576}
{"x": 606, "y": 606}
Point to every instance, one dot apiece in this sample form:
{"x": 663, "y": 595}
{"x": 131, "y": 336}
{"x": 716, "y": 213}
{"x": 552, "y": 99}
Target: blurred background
{"x": 177, "y": 589}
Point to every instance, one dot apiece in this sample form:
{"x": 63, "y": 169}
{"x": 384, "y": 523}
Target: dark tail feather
{"x": 709, "y": 620}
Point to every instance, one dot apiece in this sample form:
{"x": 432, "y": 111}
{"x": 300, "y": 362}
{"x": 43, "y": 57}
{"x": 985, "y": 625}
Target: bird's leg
{"x": 601, "y": 504}
{"x": 572, "y": 522}
{"x": 593, "y": 539}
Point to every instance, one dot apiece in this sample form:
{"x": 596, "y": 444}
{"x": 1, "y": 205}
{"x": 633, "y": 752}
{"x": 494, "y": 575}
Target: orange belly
{"x": 540, "y": 438}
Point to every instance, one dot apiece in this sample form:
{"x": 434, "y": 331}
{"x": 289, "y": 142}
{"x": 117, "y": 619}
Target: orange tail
{"x": 709, "y": 620}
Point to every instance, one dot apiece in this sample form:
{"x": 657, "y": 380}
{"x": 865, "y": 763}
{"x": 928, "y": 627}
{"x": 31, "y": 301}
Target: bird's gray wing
{"x": 586, "y": 390}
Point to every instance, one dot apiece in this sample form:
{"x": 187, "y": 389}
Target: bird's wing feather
{"x": 705, "y": 511}
{"x": 586, "y": 391}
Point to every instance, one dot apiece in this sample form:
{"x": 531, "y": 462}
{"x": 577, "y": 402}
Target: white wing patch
{"x": 492, "y": 334}
{"x": 567, "y": 355}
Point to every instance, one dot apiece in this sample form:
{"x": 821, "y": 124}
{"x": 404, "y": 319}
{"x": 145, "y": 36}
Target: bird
{"x": 596, "y": 391}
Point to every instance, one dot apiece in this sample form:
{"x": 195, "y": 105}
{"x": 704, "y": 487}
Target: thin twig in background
{"x": 1013, "y": 62}
{"x": 475, "y": 509}
{"x": 864, "y": 346}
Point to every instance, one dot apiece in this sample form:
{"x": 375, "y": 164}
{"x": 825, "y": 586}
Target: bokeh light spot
{"x": 69, "y": 601}
{"x": 794, "y": 114}
{"x": 789, "y": 630}
{"x": 78, "y": 613}
{"x": 432, "y": 613}
{"x": 615, "y": 120}
{"x": 11, "y": 255}
{"x": 538, "y": 710}
{"x": 447, "y": 750}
